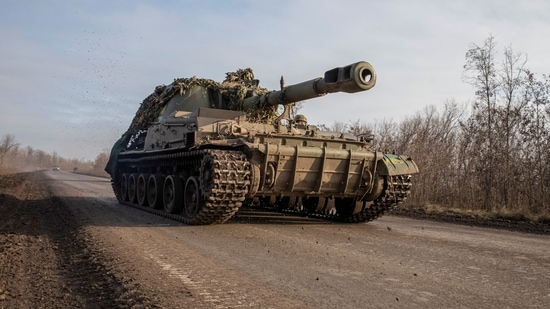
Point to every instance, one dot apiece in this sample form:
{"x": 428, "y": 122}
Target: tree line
{"x": 492, "y": 154}
{"x": 13, "y": 157}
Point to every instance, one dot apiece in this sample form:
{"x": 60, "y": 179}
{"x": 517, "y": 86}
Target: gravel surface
{"x": 66, "y": 243}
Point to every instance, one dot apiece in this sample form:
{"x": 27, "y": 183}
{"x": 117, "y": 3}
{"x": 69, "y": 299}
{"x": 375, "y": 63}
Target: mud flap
{"x": 110, "y": 167}
{"x": 392, "y": 165}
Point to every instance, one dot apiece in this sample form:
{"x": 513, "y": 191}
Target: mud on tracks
{"x": 47, "y": 260}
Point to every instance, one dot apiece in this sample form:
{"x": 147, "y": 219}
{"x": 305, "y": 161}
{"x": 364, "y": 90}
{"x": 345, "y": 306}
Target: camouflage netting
{"x": 235, "y": 88}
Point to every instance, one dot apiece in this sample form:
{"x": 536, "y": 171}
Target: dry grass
{"x": 7, "y": 171}
{"x": 502, "y": 214}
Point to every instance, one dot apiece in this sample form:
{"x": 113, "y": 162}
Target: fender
{"x": 392, "y": 165}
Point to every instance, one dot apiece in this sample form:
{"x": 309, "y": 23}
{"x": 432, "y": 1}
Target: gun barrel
{"x": 359, "y": 76}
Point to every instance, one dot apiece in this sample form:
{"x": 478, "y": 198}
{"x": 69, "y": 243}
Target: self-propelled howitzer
{"x": 198, "y": 150}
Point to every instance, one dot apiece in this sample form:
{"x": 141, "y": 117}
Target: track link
{"x": 396, "y": 190}
{"x": 224, "y": 180}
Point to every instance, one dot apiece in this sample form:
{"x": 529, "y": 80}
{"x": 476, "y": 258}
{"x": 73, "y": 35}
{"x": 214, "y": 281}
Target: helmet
{"x": 299, "y": 118}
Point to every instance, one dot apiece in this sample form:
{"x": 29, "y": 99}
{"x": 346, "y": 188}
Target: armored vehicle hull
{"x": 198, "y": 150}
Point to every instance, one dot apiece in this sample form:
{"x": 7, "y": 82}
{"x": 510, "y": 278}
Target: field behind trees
{"x": 490, "y": 155}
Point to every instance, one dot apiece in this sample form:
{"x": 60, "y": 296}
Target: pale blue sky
{"x": 73, "y": 73}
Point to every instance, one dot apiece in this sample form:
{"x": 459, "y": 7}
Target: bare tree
{"x": 535, "y": 136}
{"x": 7, "y": 144}
{"x": 98, "y": 165}
{"x": 504, "y": 146}
{"x": 508, "y": 119}
{"x": 430, "y": 138}
{"x": 385, "y": 135}
{"x": 358, "y": 127}
{"x": 481, "y": 73}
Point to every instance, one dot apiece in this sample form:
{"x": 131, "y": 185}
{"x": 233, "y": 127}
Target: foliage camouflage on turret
{"x": 235, "y": 88}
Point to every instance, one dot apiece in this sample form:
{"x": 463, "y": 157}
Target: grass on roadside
{"x": 502, "y": 214}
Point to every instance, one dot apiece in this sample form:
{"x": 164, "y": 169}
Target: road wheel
{"x": 154, "y": 191}
{"x": 124, "y": 187}
{"x": 141, "y": 189}
{"x": 132, "y": 180}
{"x": 172, "y": 194}
{"x": 193, "y": 201}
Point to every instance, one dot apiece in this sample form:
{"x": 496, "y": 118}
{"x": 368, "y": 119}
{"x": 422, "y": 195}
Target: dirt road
{"x": 66, "y": 243}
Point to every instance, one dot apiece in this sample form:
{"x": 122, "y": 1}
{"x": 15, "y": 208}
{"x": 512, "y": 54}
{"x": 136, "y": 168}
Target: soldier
{"x": 300, "y": 120}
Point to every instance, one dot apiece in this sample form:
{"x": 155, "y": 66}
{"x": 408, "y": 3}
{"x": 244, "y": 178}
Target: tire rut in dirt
{"x": 89, "y": 271}
{"x": 47, "y": 258}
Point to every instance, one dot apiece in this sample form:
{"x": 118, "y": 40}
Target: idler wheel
{"x": 172, "y": 194}
{"x": 132, "y": 180}
{"x": 154, "y": 191}
{"x": 141, "y": 189}
{"x": 193, "y": 201}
